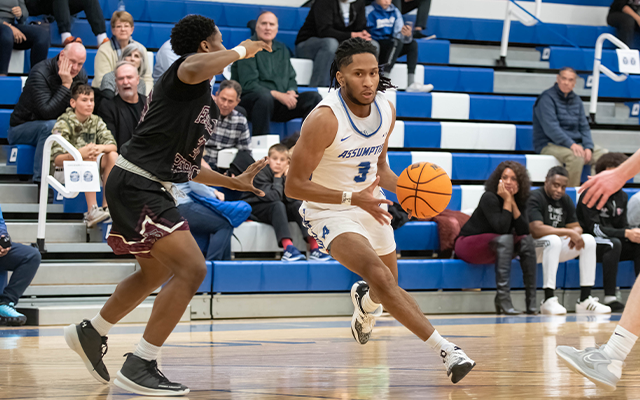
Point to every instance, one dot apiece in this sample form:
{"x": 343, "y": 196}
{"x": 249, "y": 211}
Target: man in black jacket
{"x": 276, "y": 209}
{"x": 615, "y": 240}
{"x": 45, "y": 97}
{"x": 329, "y": 23}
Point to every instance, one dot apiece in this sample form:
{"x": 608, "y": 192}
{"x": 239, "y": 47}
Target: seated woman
{"x": 498, "y": 231}
{"x": 16, "y": 34}
{"x": 136, "y": 54}
{"x": 110, "y": 52}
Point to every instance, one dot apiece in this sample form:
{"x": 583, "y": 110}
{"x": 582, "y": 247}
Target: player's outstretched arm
{"x": 388, "y": 178}
{"x": 242, "y": 183}
{"x": 318, "y": 132}
{"x": 202, "y": 67}
{"x": 607, "y": 183}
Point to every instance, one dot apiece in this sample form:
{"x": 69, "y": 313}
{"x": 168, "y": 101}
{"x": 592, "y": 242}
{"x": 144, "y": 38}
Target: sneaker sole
{"x": 291, "y": 259}
{"x": 124, "y": 383}
{"x": 575, "y": 368}
{"x": 461, "y": 371}
{"x": 355, "y": 314}
{"x": 73, "y": 341}
{"x": 545, "y": 312}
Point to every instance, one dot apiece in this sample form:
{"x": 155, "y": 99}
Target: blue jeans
{"x": 24, "y": 262}
{"x": 203, "y": 221}
{"x": 322, "y": 51}
{"x": 37, "y": 40}
{"x": 33, "y": 133}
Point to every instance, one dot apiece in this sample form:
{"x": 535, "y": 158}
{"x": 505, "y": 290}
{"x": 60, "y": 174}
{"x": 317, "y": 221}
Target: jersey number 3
{"x": 363, "y": 170}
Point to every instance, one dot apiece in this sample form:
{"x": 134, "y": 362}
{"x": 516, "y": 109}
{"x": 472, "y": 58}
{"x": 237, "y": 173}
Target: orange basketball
{"x": 424, "y": 190}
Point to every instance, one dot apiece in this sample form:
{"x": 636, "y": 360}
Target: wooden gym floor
{"x": 317, "y": 358}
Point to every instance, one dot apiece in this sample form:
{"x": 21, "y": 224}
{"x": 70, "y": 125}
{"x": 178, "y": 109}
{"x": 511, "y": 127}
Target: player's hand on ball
{"x": 254, "y": 46}
{"x": 244, "y": 182}
{"x": 368, "y": 202}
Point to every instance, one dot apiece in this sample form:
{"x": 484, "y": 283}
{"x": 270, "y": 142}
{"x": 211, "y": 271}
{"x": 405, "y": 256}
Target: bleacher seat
{"x": 21, "y": 156}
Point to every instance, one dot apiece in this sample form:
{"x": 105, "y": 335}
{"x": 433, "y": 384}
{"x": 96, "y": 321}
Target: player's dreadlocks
{"x": 189, "y": 32}
{"x": 344, "y": 57}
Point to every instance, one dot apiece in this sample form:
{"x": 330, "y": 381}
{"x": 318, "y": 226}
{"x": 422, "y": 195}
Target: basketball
{"x": 424, "y": 190}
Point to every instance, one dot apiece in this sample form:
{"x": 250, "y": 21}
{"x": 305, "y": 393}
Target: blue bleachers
{"x": 5, "y": 115}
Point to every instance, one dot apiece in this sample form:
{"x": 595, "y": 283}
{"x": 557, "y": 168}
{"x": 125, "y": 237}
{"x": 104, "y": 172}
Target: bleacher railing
{"x": 517, "y": 12}
{"x": 50, "y": 180}
{"x": 598, "y": 67}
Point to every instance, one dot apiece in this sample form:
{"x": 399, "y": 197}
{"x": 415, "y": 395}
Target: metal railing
{"x": 50, "y": 180}
{"x": 598, "y": 67}
{"x": 517, "y": 12}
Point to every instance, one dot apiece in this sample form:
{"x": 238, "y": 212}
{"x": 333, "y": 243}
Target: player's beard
{"x": 353, "y": 99}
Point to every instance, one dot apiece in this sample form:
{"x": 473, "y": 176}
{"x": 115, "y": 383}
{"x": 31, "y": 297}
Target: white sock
{"x": 147, "y": 351}
{"x": 620, "y": 344}
{"x": 410, "y": 79}
{"x": 65, "y": 35}
{"x": 369, "y": 305}
{"x": 101, "y": 37}
{"x": 438, "y": 343}
{"x": 610, "y": 299}
{"x": 101, "y": 325}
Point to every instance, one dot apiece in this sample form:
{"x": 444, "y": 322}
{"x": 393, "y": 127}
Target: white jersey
{"x": 350, "y": 163}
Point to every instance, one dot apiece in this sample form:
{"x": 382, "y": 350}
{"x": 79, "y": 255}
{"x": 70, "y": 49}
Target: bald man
{"x": 45, "y": 97}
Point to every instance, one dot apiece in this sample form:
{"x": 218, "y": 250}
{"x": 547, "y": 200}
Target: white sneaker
{"x": 95, "y": 215}
{"x": 419, "y": 87}
{"x": 457, "y": 363}
{"x": 592, "y": 306}
{"x": 362, "y": 322}
{"x": 552, "y": 307}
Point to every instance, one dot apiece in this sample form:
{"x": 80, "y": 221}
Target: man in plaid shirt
{"x": 233, "y": 129}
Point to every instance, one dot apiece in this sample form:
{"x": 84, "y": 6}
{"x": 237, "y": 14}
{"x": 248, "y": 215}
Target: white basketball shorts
{"x": 326, "y": 225}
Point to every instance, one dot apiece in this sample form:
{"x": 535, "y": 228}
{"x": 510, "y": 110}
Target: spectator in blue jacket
{"x": 23, "y": 261}
{"x": 386, "y": 26}
{"x": 561, "y": 129}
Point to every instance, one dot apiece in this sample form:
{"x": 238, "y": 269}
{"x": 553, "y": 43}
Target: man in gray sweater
{"x": 561, "y": 129}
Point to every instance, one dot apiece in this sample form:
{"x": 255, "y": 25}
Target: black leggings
{"x": 625, "y": 24}
{"x": 622, "y": 250}
{"x": 62, "y": 10}
{"x": 278, "y": 214}
{"x": 392, "y": 49}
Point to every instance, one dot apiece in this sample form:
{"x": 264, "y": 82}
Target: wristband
{"x": 241, "y": 50}
{"x": 346, "y": 198}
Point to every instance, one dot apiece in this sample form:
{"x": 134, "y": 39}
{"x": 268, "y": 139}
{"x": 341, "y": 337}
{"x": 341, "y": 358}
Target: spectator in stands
{"x": 269, "y": 81}
{"x": 616, "y": 240}
{"x": 62, "y": 10}
{"x": 623, "y": 15}
{"x": 276, "y": 209}
{"x": 164, "y": 58}
{"x": 23, "y": 261}
{"x": 122, "y": 113}
{"x": 204, "y": 221}
{"x": 110, "y": 52}
{"x": 329, "y": 23}
{"x": 561, "y": 129}
{"x": 423, "y": 6}
{"x": 559, "y": 238}
{"x": 232, "y": 130}
{"x": 633, "y": 211}
{"x": 45, "y": 97}
{"x": 498, "y": 231}
{"x": 17, "y": 35}
{"x": 89, "y": 134}
{"x": 386, "y": 26}
{"x": 135, "y": 53}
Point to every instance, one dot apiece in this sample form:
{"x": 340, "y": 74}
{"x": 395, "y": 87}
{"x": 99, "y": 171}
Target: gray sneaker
{"x": 593, "y": 364}
{"x": 95, "y": 215}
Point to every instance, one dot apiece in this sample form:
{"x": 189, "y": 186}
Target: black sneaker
{"x": 362, "y": 322}
{"x": 615, "y": 306}
{"x": 90, "y": 346}
{"x": 143, "y": 377}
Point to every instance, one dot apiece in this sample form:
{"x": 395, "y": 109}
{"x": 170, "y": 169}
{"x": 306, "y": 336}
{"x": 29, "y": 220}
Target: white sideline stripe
{"x": 476, "y": 136}
{"x": 450, "y": 106}
{"x": 442, "y": 159}
{"x": 538, "y": 165}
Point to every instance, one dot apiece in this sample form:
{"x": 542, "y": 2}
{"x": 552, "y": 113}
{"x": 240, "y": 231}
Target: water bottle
{"x": 121, "y": 5}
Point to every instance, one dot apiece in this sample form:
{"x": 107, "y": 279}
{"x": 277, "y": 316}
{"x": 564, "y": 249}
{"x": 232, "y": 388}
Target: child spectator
{"x": 386, "y": 26}
{"x": 89, "y": 134}
{"x": 276, "y": 209}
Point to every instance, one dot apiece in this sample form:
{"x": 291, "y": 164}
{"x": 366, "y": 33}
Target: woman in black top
{"x": 166, "y": 148}
{"x": 498, "y": 231}
{"x": 623, "y": 15}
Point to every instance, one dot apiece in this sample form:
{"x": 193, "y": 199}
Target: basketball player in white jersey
{"x": 343, "y": 148}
